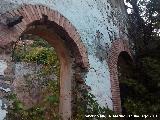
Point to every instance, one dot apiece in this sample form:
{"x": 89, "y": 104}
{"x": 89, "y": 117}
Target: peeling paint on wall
{"x": 3, "y": 112}
{"x": 99, "y": 23}
{"x": 3, "y": 66}
{"x": 3, "y": 89}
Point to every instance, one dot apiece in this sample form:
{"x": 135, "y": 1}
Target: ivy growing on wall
{"x": 39, "y": 52}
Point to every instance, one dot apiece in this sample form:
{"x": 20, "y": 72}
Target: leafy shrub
{"x": 142, "y": 96}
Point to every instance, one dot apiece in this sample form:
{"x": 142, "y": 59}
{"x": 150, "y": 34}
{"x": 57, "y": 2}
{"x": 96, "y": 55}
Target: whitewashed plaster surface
{"x": 3, "y": 112}
{"x": 3, "y": 66}
{"x": 99, "y": 23}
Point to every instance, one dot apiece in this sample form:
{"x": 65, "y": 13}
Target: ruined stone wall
{"x": 99, "y": 23}
{"x": 6, "y": 78}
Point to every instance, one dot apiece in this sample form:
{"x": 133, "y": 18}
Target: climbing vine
{"x": 40, "y": 53}
{"x": 87, "y": 105}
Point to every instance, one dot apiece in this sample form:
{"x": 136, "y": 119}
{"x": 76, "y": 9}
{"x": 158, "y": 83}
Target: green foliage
{"x": 40, "y": 43}
{"x": 53, "y": 91}
{"x": 144, "y": 25}
{"x": 151, "y": 67}
{"x": 41, "y": 53}
{"x": 142, "y": 91}
{"x": 18, "y": 54}
{"x": 17, "y": 111}
{"x": 87, "y": 105}
{"x": 134, "y": 107}
{"x": 52, "y": 99}
{"x": 142, "y": 97}
{"x": 132, "y": 87}
{"x": 47, "y": 108}
{"x": 45, "y": 56}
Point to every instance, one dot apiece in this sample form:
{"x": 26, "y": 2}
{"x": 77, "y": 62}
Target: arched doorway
{"x": 125, "y": 69}
{"x": 66, "y": 63}
{"x": 63, "y": 36}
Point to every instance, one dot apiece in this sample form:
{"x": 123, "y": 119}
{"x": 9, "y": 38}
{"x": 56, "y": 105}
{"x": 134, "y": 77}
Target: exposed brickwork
{"x": 117, "y": 47}
{"x": 34, "y": 13}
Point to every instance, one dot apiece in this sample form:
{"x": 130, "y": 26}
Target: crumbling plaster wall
{"x": 99, "y": 22}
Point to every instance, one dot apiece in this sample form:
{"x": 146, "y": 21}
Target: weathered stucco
{"x": 99, "y": 23}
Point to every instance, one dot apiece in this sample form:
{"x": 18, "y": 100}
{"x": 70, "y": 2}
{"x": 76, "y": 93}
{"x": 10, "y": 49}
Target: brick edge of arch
{"x": 33, "y": 13}
{"x": 117, "y": 47}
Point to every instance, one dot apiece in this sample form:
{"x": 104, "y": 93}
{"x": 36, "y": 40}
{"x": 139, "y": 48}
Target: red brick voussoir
{"x": 117, "y": 47}
{"x": 33, "y": 13}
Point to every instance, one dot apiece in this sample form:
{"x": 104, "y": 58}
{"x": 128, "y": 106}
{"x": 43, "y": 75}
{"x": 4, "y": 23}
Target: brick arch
{"x": 117, "y": 47}
{"x": 33, "y": 13}
{"x": 65, "y": 36}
